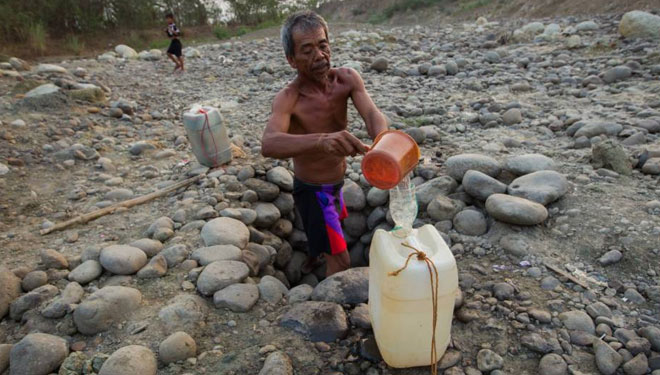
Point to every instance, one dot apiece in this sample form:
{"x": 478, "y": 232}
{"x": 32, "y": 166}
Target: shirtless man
{"x": 308, "y": 123}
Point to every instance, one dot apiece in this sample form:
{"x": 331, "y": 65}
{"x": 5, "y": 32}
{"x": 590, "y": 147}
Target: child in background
{"x": 174, "y": 51}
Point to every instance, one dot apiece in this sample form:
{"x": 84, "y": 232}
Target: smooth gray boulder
{"x": 481, "y": 185}
{"x": 225, "y": 231}
{"x": 221, "y": 274}
{"x": 122, "y": 259}
{"x": 515, "y": 210}
{"x": 86, "y": 272}
{"x": 458, "y": 165}
{"x": 528, "y": 163}
{"x": 542, "y": 187}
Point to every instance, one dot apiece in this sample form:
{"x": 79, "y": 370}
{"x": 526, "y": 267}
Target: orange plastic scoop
{"x": 392, "y": 156}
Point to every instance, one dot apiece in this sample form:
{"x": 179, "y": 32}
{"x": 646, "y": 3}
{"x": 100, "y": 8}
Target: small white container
{"x": 207, "y": 136}
{"x": 401, "y": 307}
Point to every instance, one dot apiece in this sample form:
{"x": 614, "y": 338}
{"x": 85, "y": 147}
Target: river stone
{"x": 350, "y": 286}
{"x": 528, "y": 163}
{"x": 237, "y": 297}
{"x": 481, "y": 185}
{"x": 267, "y": 215}
{"x": 542, "y": 187}
{"x": 130, "y": 360}
{"x": 652, "y": 334}
{"x": 515, "y": 210}
{"x": 271, "y": 289}
{"x": 246, "y": 215}
{"x": 175, "y": 254}
{"x": 300, "y": 293}
{"x": 179, "y": 346}
{"x": 37, "y": 354}
{"x": 71, "y": 295}
{"x": 611, "y": 257}
{"x": 470, "y": 222}
{"x": 86, "y": 272}
{"x": 281, "y": 177}
{"x": 354, "y": 197}
{"x": 277, "y": 363}
{"x": 53, "y": 259}
{"x": 126, "y": 52}
{"x": 210, "y": 254}
{"x": 157, "y": 267}
{"x": 225, "y": 231}
{"x": 593, "y": 129}
{"x": 33, "y": 280}
{"x": 284, "y": 203}
{"x": 458, "y": 165}
{"x": 617, "y": 73}
{"x": 377, "y": 197}
{"x": 317, "y": 321}
{"x": 221, "y": 274}
{"x": 637, "y": 365}
{"x": 639, "y": 24}
{"x": 426, "y": 192}
{"x": 149, "y": 246}
{"x": 488, "y": 360}
{"x": 607, "y": 359}
{"x": 515, "y": 244}
{"x": 611, "y": 155}
{"x": 578, "y": 320}
{"x": 10, "y": 289}
{"x": 31, "y": 300}
{"x": 266, "y": 191}
{"x": 443, "y": 208}
{"x": 553, "y": 364}
{"x": 106, "y": 306}
{"x": 185, "y": 312}
{"x": 122, "y": 259}
{"x": 512, "y": 116}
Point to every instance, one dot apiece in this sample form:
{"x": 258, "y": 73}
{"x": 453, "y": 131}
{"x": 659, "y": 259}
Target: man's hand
{"x": 341, "y": 143}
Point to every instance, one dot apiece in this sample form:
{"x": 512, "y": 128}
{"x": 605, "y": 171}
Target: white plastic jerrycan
{"x": 401, "y": 307}
{"x": 207, "y": 136}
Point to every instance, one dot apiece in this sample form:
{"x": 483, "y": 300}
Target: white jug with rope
{"x": 207, "y": 136}
{"x": 413, "y": 282}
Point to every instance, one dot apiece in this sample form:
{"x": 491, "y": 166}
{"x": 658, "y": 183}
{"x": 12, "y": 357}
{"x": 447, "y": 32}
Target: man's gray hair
{"x": 300, "y": 21}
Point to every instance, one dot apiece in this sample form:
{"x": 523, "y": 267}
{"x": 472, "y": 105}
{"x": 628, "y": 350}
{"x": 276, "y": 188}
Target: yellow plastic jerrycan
{"x": 400, "y": 306}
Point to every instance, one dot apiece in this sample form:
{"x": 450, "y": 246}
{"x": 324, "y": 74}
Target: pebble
{"x": 350, "y": 286}
{"x": 33, "y": 280}
{"x": 577, "y": 320}
{"x": 53, "y": 259}
{"x": 488, "y": 360}
{"x": 611, "y": 257}
{"x": 210, "y": 254}
{"x": 607, "y": 359}
{"x": 553, "y": 364}
{"x": 482, "y": 186}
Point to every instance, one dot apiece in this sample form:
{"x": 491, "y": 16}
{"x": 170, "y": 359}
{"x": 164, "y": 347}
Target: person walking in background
{"x": 174, "y": 51}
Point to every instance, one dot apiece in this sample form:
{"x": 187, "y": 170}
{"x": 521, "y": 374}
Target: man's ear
{"x": 292, "y": 62}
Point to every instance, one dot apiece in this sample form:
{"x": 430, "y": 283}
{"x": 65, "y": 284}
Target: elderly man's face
{"x": 311, "y": 53}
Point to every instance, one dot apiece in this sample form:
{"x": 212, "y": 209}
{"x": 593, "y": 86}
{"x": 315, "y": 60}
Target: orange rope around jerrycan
{"x": 433, "y": 271}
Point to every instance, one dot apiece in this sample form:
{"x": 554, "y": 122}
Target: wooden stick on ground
{"x": 125, "y": 204}
{"x": 566, "y": 275}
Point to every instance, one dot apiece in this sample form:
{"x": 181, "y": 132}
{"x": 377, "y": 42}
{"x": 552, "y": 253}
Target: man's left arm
{"x": 374, "y": 119}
